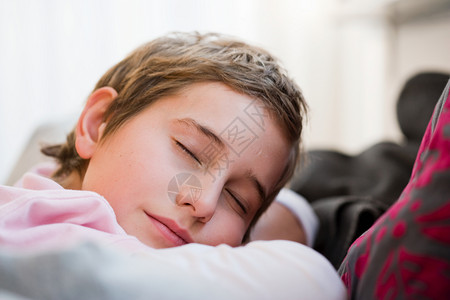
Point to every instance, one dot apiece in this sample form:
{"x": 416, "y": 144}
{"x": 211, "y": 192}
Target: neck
{"x": 73, "y": 181}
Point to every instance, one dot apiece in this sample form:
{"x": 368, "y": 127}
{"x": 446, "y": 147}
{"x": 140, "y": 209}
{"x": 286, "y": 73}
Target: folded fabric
{"x": 406, "y": 253}
{"x": 342, "y": 220}
{"x": 260, "y": 270}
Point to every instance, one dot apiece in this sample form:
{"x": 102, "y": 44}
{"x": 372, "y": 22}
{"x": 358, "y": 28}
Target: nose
{"x": 202, "y": 199}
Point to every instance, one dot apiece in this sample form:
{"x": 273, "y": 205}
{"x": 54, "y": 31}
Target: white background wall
{"x": 349, "y": 56}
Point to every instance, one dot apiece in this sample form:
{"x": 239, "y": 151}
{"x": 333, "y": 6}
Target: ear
{"x": 90, "y": 125}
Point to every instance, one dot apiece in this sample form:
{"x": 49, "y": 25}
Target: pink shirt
{"x": 38, "y": 213}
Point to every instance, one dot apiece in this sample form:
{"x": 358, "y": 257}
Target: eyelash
{"x": 237, "y": 201}
{"x": 187, "y": 151}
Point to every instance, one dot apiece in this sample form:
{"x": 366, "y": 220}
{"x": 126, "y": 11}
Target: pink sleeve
{"x": 54, "y": 218}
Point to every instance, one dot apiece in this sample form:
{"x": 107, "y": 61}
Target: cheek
{"x": 225, "y": 229}
{"x": 127, "y": 178}
{"x": 235, "y": 239}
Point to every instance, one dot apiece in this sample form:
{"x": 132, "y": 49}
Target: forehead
{"x": 221, "y": 100}
{"x": 228, "y": 110}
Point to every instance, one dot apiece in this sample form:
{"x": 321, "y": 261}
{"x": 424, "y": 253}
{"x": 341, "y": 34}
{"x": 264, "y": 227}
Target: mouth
{"x": 171, "y": 230}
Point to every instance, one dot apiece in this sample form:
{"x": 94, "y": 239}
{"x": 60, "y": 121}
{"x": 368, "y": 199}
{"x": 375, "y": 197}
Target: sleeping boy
{"x": 187, "y": 140}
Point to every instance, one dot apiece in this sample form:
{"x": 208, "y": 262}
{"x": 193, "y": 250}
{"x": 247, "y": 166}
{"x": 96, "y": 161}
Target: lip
{"x": 171, "y": 230}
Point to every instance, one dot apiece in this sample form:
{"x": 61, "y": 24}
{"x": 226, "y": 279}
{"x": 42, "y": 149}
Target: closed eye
{"x": 187, "y": 151}
{"x": 238, "y": 202}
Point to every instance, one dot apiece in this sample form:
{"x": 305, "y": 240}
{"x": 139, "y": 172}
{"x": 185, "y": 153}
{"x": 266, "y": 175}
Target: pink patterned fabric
{"x": 406, "y": 253}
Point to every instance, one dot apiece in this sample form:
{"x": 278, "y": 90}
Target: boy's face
{"x": 193, "y": 167}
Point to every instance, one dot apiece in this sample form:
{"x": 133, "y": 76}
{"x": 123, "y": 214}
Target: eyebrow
{"x": 208, "y": 133}
{"x": 204, "y": 130}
